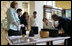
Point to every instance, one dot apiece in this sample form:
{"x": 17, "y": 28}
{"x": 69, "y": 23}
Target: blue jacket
{"x": 65, "y": 23}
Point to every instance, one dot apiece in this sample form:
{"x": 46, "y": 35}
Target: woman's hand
{"x": 27, "y": 28}
{"x": 19, "y": 27}
{"x": 15, "y": 23}
{"x": 22, "y": 25}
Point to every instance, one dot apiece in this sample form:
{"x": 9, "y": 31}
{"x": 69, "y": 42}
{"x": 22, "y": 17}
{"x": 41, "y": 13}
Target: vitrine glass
{"x": 68, "y": 14}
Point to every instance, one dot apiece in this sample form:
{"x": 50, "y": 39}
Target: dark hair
{"x": 19, "y": 10}
{"x": 24, "y": 14}
{"x": 55, "y": 16}
{"x": 44, "y": 18}
{"x": 34, "y": 12}
{"x": 13, "y": 4}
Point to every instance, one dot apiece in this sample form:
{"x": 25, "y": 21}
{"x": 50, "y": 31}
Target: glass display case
{"x": 68, "y": 14}
{"x": 48, "y": 11}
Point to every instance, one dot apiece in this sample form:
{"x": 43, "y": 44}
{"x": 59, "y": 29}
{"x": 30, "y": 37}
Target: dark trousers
{"x": 35, "y": 30}
{"x": 23, "y": 30}
{"x": 13, "y": 33}
{"x": 67, "y": 42}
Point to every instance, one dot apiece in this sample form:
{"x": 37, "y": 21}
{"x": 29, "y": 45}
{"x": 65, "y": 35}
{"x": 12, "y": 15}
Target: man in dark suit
{"x": 64, "y": 23}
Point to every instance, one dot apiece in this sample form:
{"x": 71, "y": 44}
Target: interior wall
{"x": 4, "y": 6}
{"x": 63, "y": 4}
{"x": 31, "y": 7}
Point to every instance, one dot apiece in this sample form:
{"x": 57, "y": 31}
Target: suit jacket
{"x": 65, "y": 23}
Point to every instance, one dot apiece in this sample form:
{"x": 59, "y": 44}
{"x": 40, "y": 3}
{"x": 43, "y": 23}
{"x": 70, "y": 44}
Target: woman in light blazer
{"x": 13, "y": 20}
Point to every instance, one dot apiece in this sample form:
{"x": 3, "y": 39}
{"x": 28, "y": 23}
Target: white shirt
{"x": 33, "y": 21}
{"x": 55, "y": 23}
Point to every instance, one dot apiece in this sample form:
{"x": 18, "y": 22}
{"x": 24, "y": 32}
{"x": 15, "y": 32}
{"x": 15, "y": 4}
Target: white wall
{"x": 19, "y": 4}
{"x": 32, "y": 7}
{"x": 39, "y": 8}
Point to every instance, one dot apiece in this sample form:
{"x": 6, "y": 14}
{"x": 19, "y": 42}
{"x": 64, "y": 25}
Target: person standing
{"x": 13, "y": 20}
{"x": 24, "y": 21}
{"x": 33, "y": 23}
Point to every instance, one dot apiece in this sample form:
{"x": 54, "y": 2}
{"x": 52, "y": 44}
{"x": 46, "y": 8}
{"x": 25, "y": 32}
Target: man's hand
{"x": 61, "y": 32}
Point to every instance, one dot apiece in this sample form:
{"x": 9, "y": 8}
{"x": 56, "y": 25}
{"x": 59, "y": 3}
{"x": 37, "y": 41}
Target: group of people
{"x": 17, "y": 20}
